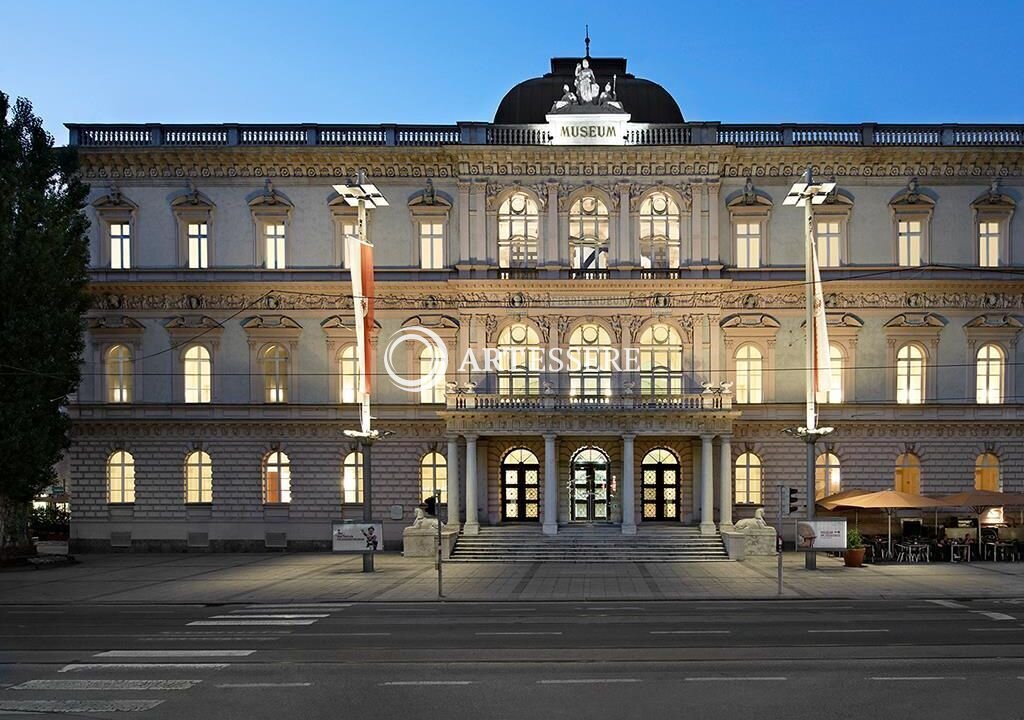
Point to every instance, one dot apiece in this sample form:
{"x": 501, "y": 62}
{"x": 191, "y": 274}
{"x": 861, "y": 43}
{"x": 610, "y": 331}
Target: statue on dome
{"x": 587, "y": 88}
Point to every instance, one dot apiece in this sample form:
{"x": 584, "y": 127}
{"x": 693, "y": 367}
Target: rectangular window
{"x": 988, "y": 243}
{"x": 120, "y": 245}
{"x": 275, "y": 235}
{"x": 748, "y": 245}
{"x": 431, "y": 245}
{"x": 909, "y": 235}
{"x": 828, "y": 234}
{"x": 198, "y": 245}
{"x": 347, "y": 228}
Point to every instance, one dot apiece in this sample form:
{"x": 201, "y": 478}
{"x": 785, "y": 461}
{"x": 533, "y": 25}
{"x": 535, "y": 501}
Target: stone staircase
{"x": 593, "y": 544}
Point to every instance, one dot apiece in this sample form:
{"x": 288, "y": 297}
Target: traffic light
{"x": 794, "y": 501}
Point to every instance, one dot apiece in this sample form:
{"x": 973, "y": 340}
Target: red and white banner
{"x": 360, "y": 257}
{"x": 819, "y": 329}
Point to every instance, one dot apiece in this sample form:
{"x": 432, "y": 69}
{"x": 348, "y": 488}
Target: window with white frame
{"x": 748, "y": 243}
{"x": 659, "y": 232}
{"x": 749, "y": 370}
{"x": 661, "y": 360}
{"x": 120, "y": 245}
{"x": 518, "y": 231}
{"x": 431, "y": 245}
{"x": 909, "y": 239}
{"x": 827, "y": 476}
{"x": 989, "y": 372}
{"x": 274, "y": 363}
{"x": 434, "y": 392}
{"x": 198, "y": 245}
{"x": 348, "y": 227}
{"x": 748, "y": 479}
{"x": 834, "y": 394}
{"x": 910, "y": 375}
{"x": 198, "y": 477}
{"x": 989, "y": 237}
{"x": 274, "y": 247}
{"x": 352, "y": 478}
{"x": 588, "y": 236}
{"x": 348, "y": 373}
{"x": 434, "y": 474}
{"x": 121, "y": 477}
{"x": 119, "y": 374}
{"x": 519, "y": 360}
{"x": 828, "y": 235}
{"x": 277, "y": 479}
{"x": 197, "y": 374}
{"x": 589, "y": 361}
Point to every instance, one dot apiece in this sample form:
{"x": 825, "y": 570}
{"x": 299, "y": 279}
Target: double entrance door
{"x": 589, "y": 490}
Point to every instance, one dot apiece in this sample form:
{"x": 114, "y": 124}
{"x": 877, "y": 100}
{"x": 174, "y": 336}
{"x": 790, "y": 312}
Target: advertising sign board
{"x": 820, "y": 534}
{"x": 352, "y": 536}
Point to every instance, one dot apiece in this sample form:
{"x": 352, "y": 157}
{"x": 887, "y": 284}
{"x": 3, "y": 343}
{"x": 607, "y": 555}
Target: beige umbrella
{"x": 981, "y": 500}
{"x": 831, "y": 502}
{"x": 890, "y": 501}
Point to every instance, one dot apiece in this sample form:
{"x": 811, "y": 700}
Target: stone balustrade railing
{"x": 862, "y": 135}
{"x": 711, "y": 399}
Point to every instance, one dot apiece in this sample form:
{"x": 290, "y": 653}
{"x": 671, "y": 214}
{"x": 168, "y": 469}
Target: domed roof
{"x": 530, "y": 101}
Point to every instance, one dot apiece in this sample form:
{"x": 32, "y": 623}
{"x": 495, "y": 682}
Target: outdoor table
{"x": 999, "y": 546}
{"x": 959, "y": 552}
{"x": 914, "y": 552}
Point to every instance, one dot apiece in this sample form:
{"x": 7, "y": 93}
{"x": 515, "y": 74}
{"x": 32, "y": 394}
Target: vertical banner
{"x": 822, "y": 354}
{"x": 360, "y": 256}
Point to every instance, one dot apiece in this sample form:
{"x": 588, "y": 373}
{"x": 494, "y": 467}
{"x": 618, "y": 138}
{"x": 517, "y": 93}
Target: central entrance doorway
{"x": 660, "y": 485}
{"x": 589, "y": 485}
{"x": 520, "y": 486}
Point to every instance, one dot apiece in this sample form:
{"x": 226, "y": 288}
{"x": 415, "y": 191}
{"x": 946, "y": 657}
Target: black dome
{"x": 530, "y": 101}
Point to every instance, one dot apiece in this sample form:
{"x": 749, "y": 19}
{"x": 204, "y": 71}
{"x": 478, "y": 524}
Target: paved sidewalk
{"x": 291, "y": 577}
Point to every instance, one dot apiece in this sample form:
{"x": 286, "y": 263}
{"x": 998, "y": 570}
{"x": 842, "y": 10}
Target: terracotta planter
{"x": 854, "y": 557}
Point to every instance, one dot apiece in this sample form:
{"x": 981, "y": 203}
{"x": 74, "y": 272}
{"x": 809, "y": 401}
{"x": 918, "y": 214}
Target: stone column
{"x": 707, "y": 487}
{"x": 481, "y": 473}
{"x": 464, "y": 251}
{"x": 725, "y": 484}
{"x": 549, "y": 253}
{"x": 453, "y": 481}
{"x": 472, "y": 526}
{"x": 623, "y": 253}
{"x": 550, "y": 526}
{"x": 628, "y": 513}
{"x": 478, "y": 249}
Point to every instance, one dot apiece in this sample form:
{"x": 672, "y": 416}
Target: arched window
{"x": 352, "y": 478}
{"x": 661, "y": 361}
{"x": 198, "y": 478}
{"x": 986, "y": 473}
{"x": 588, "y": 237}
{"x": 990, "y": 374}
{"x": 197, "y": 374}
{"x": 910, "y": 375}
{"x": 119, "y": 374}
{"x": 519, "y": 360}
{"x": 434, "y": 474}
{"x": 827, "y": 479}
{"x": 430, "y": 393}
{"x": 589, "y": 361}
{"x": 518, "y": 231}
{"x": 348, "y": 373}
{"x": 908, "y": 474}
{"x": 121, "y": 477}
{"x": 748, "y": 479}
{"x": 274, "y": 362}
{"x": 659, "y": 232}
{"x": 277, "y": 478}
{"x": 834, "y": 394}
{"x": 749, "y": 369}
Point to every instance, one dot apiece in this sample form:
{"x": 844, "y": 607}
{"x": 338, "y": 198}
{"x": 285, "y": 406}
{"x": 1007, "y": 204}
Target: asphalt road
{"x": 770, "y": 659}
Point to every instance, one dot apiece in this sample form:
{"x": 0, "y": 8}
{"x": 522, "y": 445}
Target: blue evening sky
{"x": 361, "y": 61}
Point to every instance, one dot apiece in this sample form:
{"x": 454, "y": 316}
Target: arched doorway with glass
{"x": 520, "y": 486}
{"x": 588, "y": 486}
{"x": 659, "y": 474}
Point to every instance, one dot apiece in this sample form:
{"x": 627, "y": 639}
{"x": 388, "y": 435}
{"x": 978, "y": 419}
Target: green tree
{"x": 44, "y": 254}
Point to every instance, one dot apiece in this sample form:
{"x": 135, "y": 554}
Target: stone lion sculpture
{"x": 755, "y": 523}
{"x": 422, "y": 522}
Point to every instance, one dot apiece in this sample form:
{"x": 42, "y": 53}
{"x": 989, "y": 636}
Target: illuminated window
{"x": 277, "y": 479}
{"x": 659, "y": 232}
{"x": 834, "y": 394}
{"x": 431, "y": 245}
{"x": 121, "y": 477}
{"x": 827, "y": 479}
{"x": 989, "y": 234}
{"x": 990, "y": 375}
{"x": 908, "y": 474}
{"x": 661, "y": 361}
{"x": 749, "y": 369}
{"x": 274, "y": 361}
{"x": 432, "y": 393}
{"x": 828, "y": 236}
{"x": 589, "y": 361}
{"x": 748, "y": 479}
{"x": 197, "y": 374}
{"x": 348, "y": 373}
{"x": 909, "y": 237}
{"x": 748, "y": 244}
{"x": 198, "y": 478}
{"x": 352, "y": 478}
{"x": 348, "y": 227}
{"x": 198, "y": 245}
{"x": 434, "y": 474}
{"x": 120, "y": 245}
{"x": 518, "y": 231}
{"x": 119, "y": 374}
{"x": 986, "y": 473}
{"x": 274, "y": 237}
{"x": 588, "y": 237}
{"x": 910, "y": 375}
{"x": 519, "y": 360}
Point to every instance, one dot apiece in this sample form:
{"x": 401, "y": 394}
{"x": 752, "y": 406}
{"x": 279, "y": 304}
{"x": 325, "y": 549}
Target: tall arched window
{"x": 198, "y": 478}
{"x": 589, "y": 361}
{"x": 588, "y": 237}
{"x": 990, "y": 374}
{"x": 352, "y": 478}
{"x": 986, "y": 473}
{"x": 659, "y": 232}
{"x": 430, "y": 393}
{"x": 827, "y": 478}
{"x": 908, "y": 474}
{"x": 277, "y": 478}
{"x": 661, "y": 360}
{"x": 121, "y": 477}
{"x": 749, "y": 369}
{"x": 197, "y": 374}
{"x": 519, "y": 360}
{"x": 348, "y": 373}
{"x": 274, "y": 362}
{"x": 119, "y": 374}
{"x": 748, "y": 479}
{"x": 910, "y": 375}
{"x": 434, "y": 474}
{"x": 834, "y": 394}
{"x": 518, "y": 231}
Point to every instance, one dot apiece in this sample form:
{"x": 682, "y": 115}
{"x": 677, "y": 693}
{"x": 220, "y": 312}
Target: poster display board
{"x": 828, "y": 535}
{"x": 353, "y": 536}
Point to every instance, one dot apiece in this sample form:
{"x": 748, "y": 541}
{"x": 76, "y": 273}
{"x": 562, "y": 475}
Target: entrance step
{"x": 593, "y": 544}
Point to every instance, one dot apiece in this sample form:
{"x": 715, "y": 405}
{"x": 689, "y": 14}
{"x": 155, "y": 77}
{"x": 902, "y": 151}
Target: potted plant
{"x": 854, "y": 555}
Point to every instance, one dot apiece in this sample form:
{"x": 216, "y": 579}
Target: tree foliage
{"x": 43, "y": 260}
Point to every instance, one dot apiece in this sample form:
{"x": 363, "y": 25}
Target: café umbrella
{"x": 831, "y": 502}
{"x": 891, "y": 501}
{"x": 981, "y": 500}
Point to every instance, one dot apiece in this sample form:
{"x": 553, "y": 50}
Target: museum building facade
{"x": 589, "y": 217}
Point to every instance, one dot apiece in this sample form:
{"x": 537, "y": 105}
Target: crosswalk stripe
{"x": 248, "y": 623}
{"x": 91, "y": 667}
{"x": 268, "y": 617}
{"x": 296, "y": 606}
{"x": 174, "y": 653}
{"x": 77, "y": 706}
{"x": 106, "y": 685}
